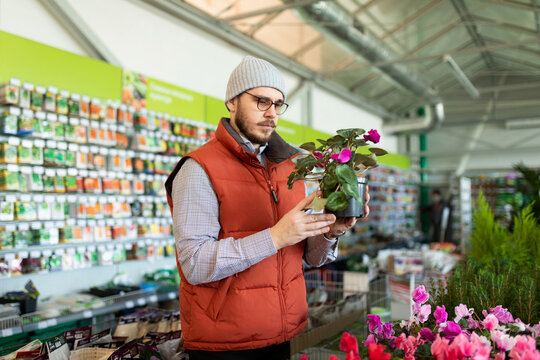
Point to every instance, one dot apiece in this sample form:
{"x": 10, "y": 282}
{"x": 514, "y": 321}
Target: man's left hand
{"x": 343, "y": 224}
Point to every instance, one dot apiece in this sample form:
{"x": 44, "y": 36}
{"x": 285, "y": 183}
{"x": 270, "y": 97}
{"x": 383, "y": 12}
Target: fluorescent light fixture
{"x": 461, "y": 77}
{"x": 522, "y": 123}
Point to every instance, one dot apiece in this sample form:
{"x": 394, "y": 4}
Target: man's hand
{"x": 296, "y": 225}
{"x": 343, "y": 224}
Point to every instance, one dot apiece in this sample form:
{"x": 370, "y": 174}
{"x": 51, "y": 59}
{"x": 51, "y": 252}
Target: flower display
{"x": 498, "y": 336}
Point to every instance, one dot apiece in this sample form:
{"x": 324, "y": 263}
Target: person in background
{"x": 241, "y": 235}
{"x": 438, "y": 216}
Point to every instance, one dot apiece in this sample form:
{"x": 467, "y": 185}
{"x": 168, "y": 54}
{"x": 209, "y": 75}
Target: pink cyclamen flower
{"x": 462, "y": 312}
{"x": 421, "y": 312}
{"x": 343, "y": 157}
{"x": 525, "y": 348}
{"x": 386, "y": 331}
{"x": 304, "y": 357}
{"x": 461, "y": 346}
{"x": 369, "y": 340}
{"x": 408, "y": 345}
{"x": 373, "y": 321}
{"x": 473, "y": 324}
{"x": 452, "y": 329}
{"x": 427, "y": 334}
{"x": 318, "y": 154}
{"x": 490, "y": 322}
{"x": 373, "y": 136}
{"x": 482, "y": 353}
{"x": 440, "y": 315}
{"x": 499, "y": 356}
{"x": 503, "y": 315}
{"x": 503, "y": 341}
{"x": 333, "y": 357}
{"x": 439, "y": 348}
{"x": 419, "y": 295}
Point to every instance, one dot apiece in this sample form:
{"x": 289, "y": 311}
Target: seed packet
{"x": 9, "y": 119}
{"x": 25, "y": 125}
{"x": 24, "y": 152}
{"x": 26, "y": 95}
{"x": 74, "y": 104}
{"x": 9, "y": 92}
{"x": 8, "y": 150}
{"x": 36, "y": 98}
{"x": 62, "y": 102}
{"x": 49, "y": 103}
{"x": 97, "y": 112}
{"x": 9, "y": 178}
{"x": 84, "y": 108}
{"x": 7, "y": 208}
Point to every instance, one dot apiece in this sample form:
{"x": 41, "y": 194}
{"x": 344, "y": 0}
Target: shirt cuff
{"x": 260, "y": 246}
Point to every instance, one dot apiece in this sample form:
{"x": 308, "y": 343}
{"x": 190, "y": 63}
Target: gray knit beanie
{"x": 252, "y": 73}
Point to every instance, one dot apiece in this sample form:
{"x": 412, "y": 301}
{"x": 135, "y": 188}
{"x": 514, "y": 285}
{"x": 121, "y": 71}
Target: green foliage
{"x": 531, "y": 187}
{"x": 480, "y": 287}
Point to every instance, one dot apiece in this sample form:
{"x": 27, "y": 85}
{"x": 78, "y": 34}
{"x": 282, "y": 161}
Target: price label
{"x": 171, "y": 295}
{"x": 128, "y": 246}
{"x": 61, "y": 172}
{"x": 59, "y": 252}
{"x": 42, "y": 324}
{"x": 130, "y": 304}
{"x": 11, "y": 198}
{"x": 74, "y": 121}
{"x": 62, "y": 145}
{"x": 105, "y": 126}
{"x": 87, "y": 314}
{"x": 101, "y": 248}
{"x": 140, "y": 243}
{"x": 63, "y": 119}
{"x": 47, "y": 253}
{"x": 91, "y": 248}
{"x": 121, "y": 128}
{"x": 73, "y": 147}
{"x": 112, "y": 199}
{"x": 81, "y": 249}
{"x": 14, "y": 141}
{"x": 23, "y": 254}
{"x": 94, "y": 149}
{"x": 71, "y": 222}
{"x": 40, "y": 115}
{"x": 24, "y": 226}
{"x": 36, "y": 225}
{"x": 111, "y": 222}
{"x": 85, "y": 122}
{"x": 91, "y": 222}
{"x": 26, "y": 198}
{"x": 103, "y": 173}
{"x": 52, "y": 117}
{"x": 72, "y": 171}
{"x": 49, "y": 225}
{"x": 113, "y": 127}
{"x": 39, "y": 143}
{"x": 110, "y": 247}
{"x": 94, "y": 124}
{"x": 52, "y": 322}
{"x": 141, "y": 302}
{"x": 38, "y": 198}
{"x": 71, "y": 198}
{"x": 101, "y": 222}
{"x": 83, "y": 172}
{"x": 50, "y": 172}
{"x": 35, "y": 254}
{"x": 153, "y": 298}
{"x": 59, "y": 224}
{"x": 7, "y": 332}
{"x": 70, "y": 251}
{"x": 104, "y": 151}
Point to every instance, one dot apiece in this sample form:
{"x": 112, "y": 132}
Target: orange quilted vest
{"x": 266, "y": 303}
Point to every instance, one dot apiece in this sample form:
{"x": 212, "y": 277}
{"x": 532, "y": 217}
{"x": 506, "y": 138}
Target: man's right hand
{"x": 296, "y": 225}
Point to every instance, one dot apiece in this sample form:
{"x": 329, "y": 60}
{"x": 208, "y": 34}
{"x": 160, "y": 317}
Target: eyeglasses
{"x": 264, "y": 103}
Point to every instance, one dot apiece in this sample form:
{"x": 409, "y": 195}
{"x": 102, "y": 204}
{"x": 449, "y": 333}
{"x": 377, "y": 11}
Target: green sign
{"x": 291, "y": 132}
{"x": 215, "y": 109}
{"x": 174, "y": 100}
{"x": 397, "y": 160}
{"x": 45, "y": 65}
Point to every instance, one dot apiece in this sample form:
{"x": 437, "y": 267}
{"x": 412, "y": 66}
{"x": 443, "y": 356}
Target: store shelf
{"x": 113, "y": 303}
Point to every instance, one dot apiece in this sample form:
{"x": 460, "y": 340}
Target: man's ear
{"x": 231, "y": 104}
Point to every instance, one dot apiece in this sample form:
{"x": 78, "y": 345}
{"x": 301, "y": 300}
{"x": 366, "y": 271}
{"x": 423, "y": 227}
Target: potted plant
{"x": 337, "y": 166}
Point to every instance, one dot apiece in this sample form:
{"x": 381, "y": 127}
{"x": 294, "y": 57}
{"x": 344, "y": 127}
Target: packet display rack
{"x": 82, "y": 177}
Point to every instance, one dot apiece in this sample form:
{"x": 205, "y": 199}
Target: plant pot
{"x": 355, "y": 208}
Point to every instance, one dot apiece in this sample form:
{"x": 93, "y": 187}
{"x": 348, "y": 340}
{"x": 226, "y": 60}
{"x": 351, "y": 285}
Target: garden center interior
{"x": 100, "y": 99}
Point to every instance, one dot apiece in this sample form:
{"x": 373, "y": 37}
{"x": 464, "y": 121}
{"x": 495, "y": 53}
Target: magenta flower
{"x": 427, "y": 334}
{"x": 462, "y": 311}
{"x": 318, "y": 154}
{"x": 473, "y": 324}
{"x": 490, "y": 322}
{"x": 343, "y": 157}
{"x": 440, "y": 315}
{"x": 503, "y": 315}
{"x": 452, "y": 329}
{"x": 421, "y": 312}
{"x": 373, "y": 321}
{"x": 386, "y": 331}
{"x": 304, "y": 357}
{"x": 373, "y": 136}
{"x": 419, "y": 295}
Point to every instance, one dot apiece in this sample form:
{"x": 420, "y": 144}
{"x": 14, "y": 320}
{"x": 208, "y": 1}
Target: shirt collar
{"x": 250, "y": 146}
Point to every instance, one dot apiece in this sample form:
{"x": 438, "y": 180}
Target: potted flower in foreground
{"x": 335, "y": 165}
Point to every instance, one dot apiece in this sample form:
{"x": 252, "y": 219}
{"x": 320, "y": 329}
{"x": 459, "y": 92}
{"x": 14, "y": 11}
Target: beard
{"x": 249, "y": 130}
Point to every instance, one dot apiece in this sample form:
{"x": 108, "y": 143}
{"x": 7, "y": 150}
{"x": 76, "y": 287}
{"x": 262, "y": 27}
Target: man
{"x": 241, "y": 233}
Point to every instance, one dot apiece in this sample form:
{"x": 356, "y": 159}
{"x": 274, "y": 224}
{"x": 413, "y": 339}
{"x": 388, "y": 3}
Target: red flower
{"x": 333, "y": 357}
{"x": 373, "y": 136}
{"x": 376, "y": 352}
{"x": 304, "y": 357}
{"x": 348, "y": 343}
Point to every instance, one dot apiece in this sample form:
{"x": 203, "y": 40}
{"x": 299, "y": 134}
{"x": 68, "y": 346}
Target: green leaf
{"x": 309, "y": 146}
{"x": 360, "y": 142}
{"x": 365, "y": 160}
{"x": 378, "y": 151}
{"x": 337, "y": 201}
{"x": 346, "y": 175}
{"x": 324, "y": 142}
{"x": 294, "y": 176}
{"x": 307, "y": 163}
{"x": 329, "y": 184}
{"x": 337, "y": 140}
{"x": 317, "y": 204}
{"x": 350, "y": 132}
{"x": 352, "y": 190}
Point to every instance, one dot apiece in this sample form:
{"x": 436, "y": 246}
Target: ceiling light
{"x": 461, "y": 77}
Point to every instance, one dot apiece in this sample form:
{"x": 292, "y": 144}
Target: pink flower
{"x": 318, "y": 154}
{"x": 352, "y": 356}
{"x": 373, "y": 136}
{"x": 427, "y": 334}
{"x": 490, "y": 322}
{"x": 421, "y": 312}
{"x": 461, "y": 347}
{"x": 373, "y": 321}
{"x": 473, "y": 324}
{"x": 503, "y": 315}
{"x": 504, "y": 341}
{"x": 348, "y": 343}
{"x": 370, "y": 340}
{"x": 440, "y": 315}
{"x": 333, "y": 357}
{"x": 343, "y": 157}
{"x": 376, "y": 352}
{"x": 419, "y": 295}
{"x": 304, "y": 357}
{"x": 452, "y": 329}
{"x": 499, "y": 356}
{"x": 482, "y": 353}
{"x": 462, "y": 312}
{"x": 408, "y": 345}
{"x": 525, "y": 348}
{"x": 439, "y": 348}
{"x": 479, "y": 340}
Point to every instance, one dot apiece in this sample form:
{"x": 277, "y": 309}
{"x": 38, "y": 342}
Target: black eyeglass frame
{"x": 280, "y": 108}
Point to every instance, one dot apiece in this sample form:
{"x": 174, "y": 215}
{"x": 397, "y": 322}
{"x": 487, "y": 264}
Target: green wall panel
{"x": 175, "y": 100}
{"x": 215, "y": 110}
{"x": 44, "y": 65}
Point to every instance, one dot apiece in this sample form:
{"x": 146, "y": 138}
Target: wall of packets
{"x": 80, "y": 170}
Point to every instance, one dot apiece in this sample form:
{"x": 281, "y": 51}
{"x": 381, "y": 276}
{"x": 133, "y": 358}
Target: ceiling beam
{"x": 187, "y": 14}
{"x": 515, "y": 5}
{"x": 467, "y": 20}
{"x": 407, "y": 21}
{"x": 80, "y": 31}
{"x": 485, "y": 21}
{"x": 271, "y": 9}
{"x": 267, "y": 19}
{"x": 486, "y": 152}
{"x": 536, "y": 15}
{"x": 501, "y": 88}
{"x": 306, "y": 47}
